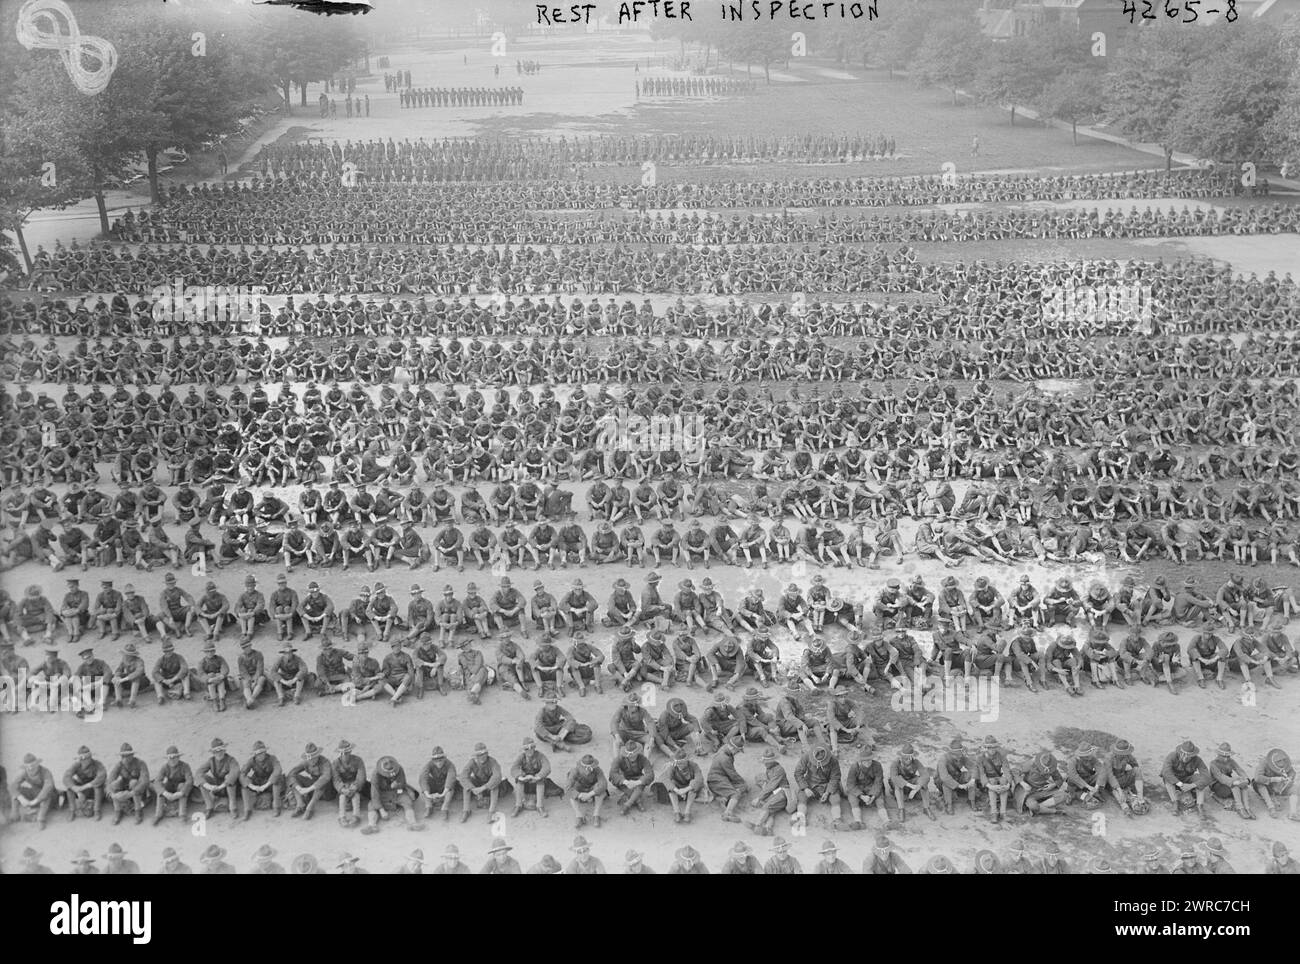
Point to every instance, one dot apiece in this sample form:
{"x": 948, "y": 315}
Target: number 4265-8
{"x": 1172, "y": 10}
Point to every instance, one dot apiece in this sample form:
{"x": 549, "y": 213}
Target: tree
{"x": 1012, "y": 74}
{"x": 1282, "y": 132}
{"x": 950, "y": 54}
{"x": 298, "y": 51}
{"x": 24, "y": 188}
{"x": 193, "y": 97}
{"x": 1230, "y": 98}
{"x": 90, "y": 140}
{"x": 763, "y": 42}
{"x": 1079, "y": 95}
{"x": 893, "y": 41}
{"x": 1149, "y": 81}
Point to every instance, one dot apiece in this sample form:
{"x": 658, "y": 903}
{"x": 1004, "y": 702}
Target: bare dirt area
{"x": 1153, "y": 720}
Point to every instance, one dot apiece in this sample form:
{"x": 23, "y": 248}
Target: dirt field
{"x": 576, "y": 94}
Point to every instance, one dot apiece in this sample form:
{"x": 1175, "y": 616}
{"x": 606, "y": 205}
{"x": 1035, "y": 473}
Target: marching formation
{"x": 462, "y": 97}
{"x": 694, "y": 87}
